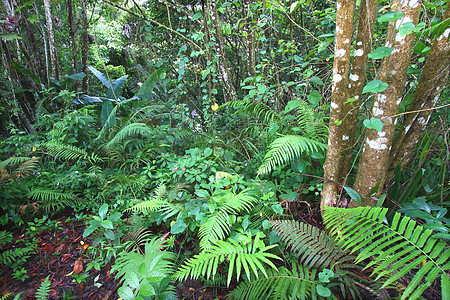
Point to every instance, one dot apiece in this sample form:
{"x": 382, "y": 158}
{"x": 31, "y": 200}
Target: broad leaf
{"x": 150, "y": 84}
{"x": 390, "y": 16}
{"x": 106, "y": 117}
{"x": 314, "y": 98}
{"x": 375, "y": 86}
{"x": 373, "y": 123}
{"x": 353, "y": 194}
{"x": 115, "y": 91}
{"x": 100, "y": 76}
{"x": 178, "y": 227}
{"x": 380, "y": 52}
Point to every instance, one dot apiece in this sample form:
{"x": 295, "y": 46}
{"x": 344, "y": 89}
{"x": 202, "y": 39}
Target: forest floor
{"x": 61, "y": 254}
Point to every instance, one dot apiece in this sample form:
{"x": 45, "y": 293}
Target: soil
{"x": 62, "y": 252}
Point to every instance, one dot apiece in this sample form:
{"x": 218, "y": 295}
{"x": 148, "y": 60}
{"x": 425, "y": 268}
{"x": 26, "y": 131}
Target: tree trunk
{"x": 229, "y": 91}
{"x": 250, "y": 40}
{"x": 73, "y": 44}
{"x": 84, "y": 45}
{"x": 51, "y": 39}
{"x": 336, "y": 134}
{"x": 373, "y": 164}
{"x": 431, "y": 84}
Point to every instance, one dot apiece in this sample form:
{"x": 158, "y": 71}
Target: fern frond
{"x": 218, "y": 225}
{"x": 394, "y": 250}
{"x": 6, "y": 296}
{"x": 298, "y": 283}
{"x": 137, "y": 238}
{"x": 52, "y": 199}
{"x": 288, "y": 148}
{"x": 12, "y": 255}
{"x": 27, "y": 167}
{"x": 129, "y": 131}
{"x": 249, "y": 258}
{"x": 43, "y": 290}
{"x": 14, "y": 161}
{"x": 315, "y": 247}
{"x": 256, "y": 110}
{"x": 5, "y": 237}
{"x": 167, "y": 208}
{"x": 69, "y": 152}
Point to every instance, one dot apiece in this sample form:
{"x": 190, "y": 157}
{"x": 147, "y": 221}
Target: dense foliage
{"x": 189, "y": 140}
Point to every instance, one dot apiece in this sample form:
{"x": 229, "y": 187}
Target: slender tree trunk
{"x": 84, "y": 45}
{"x": 250, "y": 40}
{"x": 51, "y": 39}
{"x": 229, "y": 92}
{"x": 431, "y": 84}
{"x": 373, "y": 164}
{"x": 336, "y": 134}
{"x": 357, "y": 80}
{"x": 70, "y": 18}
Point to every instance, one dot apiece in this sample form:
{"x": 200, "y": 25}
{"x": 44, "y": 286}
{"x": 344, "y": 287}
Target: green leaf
{"x": 104, "y": 79}
{"x": 293, "y": 104}
{"x": 108, "y": 115}
{"x": 381, "y": 52}
{"x": 375, "y": 86}
{"x": 202, "y": 193}
{"x": 353, "y": 194}
{"x": 207, "y": 152}
{"x": 147, "y": 290}
{"x": 445, "y": 286}
{"x": 314, "y": 98}
{"x": 11, "y": 36}
{"x": 390, "y": 16}
{"x": 103, "y": 211}
{"x": 323, "y": 291}
{"x": 88, "y": 231}
{"x": 373, "y": 123}
{"x": 77, "y": 76}
{"x": 107, "y": 224}
{"x": 197, "y": 16}
{"x": 115, "y": 91}
{"x": 350, "y": 100}
{"x": 316, "y": 80}
{"x": 149, "y": 85}
{"x": 110, "y": 234}
{"x": 178, "y": 227}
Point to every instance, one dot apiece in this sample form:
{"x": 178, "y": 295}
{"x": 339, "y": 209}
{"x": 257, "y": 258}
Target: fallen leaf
{"x": 69, "y": 274}
{"x": 85, "y": 246}
{"x": 78, "y": 265}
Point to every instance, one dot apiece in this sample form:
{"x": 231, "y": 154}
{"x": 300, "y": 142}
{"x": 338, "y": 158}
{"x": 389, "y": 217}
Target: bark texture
{"x": 84, "y": 46}
{"x": 51, "y": 39}
{"x": 373, "y": 164}
{"x": 431, "y": 84}
{"x": 222, "y": 67}
{"x": 333, "y": 164}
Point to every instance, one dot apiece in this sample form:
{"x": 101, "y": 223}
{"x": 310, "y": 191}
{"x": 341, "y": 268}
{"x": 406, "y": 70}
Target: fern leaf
{"x": 247, "y": 258}
{"x": 395, "y": 250}
{"x": 131, "y": 130}
{"x": 12, "y": 255}
{"x": 69, "y": 152}
{"x": 218, "y": 225}
{"x": 255, "y": 110}
{"x": 288, "y": 148}
{"x": 298, "y": 283}
{"x": 43, "y": 290}
{"x": 315, "y": 248}
{"x": 52, "y": 199}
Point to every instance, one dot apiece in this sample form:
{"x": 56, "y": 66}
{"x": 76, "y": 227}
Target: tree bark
{"x": 250, "y": 40}
{"x": 229, "y": 91}
{"x": 336, "y": 134}
{"x": 373, "y": 164}
{"x": 431, "y": 84}
{"x": 84, "y": 45}
{"x": 51, "y": 39}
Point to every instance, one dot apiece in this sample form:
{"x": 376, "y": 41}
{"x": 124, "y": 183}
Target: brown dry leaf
{"x": 78, "y": 265}
{"x": 69, "y": 274}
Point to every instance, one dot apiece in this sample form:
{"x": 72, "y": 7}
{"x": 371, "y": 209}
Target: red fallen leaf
{"x": 85, "y": 246}
{"x": 48, "y": 247}
{"x": 53, "y": 293}
{"x": 60, "y": 248}
{"x": 65, "y": 257}
{"x": 78, "y": 265}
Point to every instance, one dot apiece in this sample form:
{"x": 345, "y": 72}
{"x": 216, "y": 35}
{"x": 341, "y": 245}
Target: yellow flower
{"x": 215, "y": 106}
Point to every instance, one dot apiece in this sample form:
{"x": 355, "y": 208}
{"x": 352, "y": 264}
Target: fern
{"x": 23, "y": 165}
{"x": 315, "y": 248}
{"x": 17, "y": 297}
{"x": 69, "y": 152}
{"x": 248, "y": 257}
{"x": 12, "y": 255}
{"x": 297, "y": 283}
{"x": 255, "y": 110}
{"x": 218, "y": 225}
{"x": 395, "y": 250}
{"x": 141, "y": 273}
{"x": 43, "y": 290}
{"x": 129, "y": 131}
{"x": 52, "y": 199}
{"x": 138, "y": 238}
{"x": 288, "y": 148}
{"x": 5, "y": 237}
